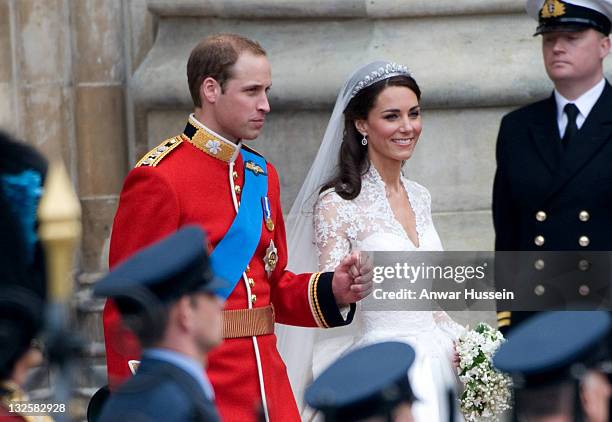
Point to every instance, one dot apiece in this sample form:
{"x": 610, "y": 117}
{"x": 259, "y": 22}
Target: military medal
{"x": 271, "y": 258}
{"x": 265, "y": 204}
{"x": 133, "y": 365}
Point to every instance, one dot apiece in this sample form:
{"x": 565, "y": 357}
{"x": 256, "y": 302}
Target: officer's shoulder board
{"x": 154, "y": 157}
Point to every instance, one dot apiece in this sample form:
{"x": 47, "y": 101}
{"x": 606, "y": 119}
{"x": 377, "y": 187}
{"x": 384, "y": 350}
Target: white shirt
{"x": 584, "y": 103}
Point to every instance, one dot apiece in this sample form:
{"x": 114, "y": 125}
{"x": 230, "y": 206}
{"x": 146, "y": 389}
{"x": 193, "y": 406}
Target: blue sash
{"x": 233, "y": 253}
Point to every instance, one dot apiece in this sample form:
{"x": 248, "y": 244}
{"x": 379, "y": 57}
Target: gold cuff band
{"x": 503, "y": 323}
{"x": 504, "y": 314}
{"x": 248, "y": 322}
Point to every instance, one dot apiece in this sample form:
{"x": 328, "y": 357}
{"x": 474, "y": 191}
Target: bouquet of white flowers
{"x": 487, "y": 391}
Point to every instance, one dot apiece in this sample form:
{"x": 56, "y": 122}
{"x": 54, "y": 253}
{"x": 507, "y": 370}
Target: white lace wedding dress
{"x": 367, "y": 223}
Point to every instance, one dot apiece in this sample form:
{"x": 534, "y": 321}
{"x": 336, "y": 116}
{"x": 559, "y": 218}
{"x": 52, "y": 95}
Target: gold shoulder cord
{"x": 153, "y": 157}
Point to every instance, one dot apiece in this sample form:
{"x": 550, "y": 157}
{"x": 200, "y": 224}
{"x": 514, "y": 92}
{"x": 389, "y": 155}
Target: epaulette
{"x": 153, "y": 157}
{"x": 251, "y": 150}
{"x": 504, "y": 319}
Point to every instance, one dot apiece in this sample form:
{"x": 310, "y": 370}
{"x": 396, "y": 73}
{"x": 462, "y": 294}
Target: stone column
{"x": 64, "y": 69}
{"x": 41, "y": 79}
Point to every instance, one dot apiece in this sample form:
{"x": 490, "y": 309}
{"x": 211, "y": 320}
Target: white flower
{"x": 213, "y": 146}
{"x": 487, "y": 392}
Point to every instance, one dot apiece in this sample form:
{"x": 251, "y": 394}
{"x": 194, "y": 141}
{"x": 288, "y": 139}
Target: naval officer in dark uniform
{"x": 167, "y": 295}
{"x": 553, "y": 185}
{"x": 558, "y": 362}
{"x": 367, "y": 384}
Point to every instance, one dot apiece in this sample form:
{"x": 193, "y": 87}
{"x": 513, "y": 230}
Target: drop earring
{"x": 364, "y": 140}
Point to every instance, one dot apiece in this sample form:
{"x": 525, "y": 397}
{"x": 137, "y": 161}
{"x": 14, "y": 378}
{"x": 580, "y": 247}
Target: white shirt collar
{"x": 234, "y": 145}
{"x": 585, "y": 104}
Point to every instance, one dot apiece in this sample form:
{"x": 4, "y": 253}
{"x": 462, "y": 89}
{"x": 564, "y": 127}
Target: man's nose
{"x": 264, "y": 104}
{"x": 558, "y": 44}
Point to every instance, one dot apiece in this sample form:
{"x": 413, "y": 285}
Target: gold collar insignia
{"x": 208, "y": 141}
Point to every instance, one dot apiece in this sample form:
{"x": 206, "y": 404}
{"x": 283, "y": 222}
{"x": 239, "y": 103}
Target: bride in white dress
{"x": 355, "y": 198}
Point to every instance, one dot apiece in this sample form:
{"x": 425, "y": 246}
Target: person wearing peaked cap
{"x": 548, "y": 151}
{"x": 370, "y": 383}
{"x": 168, "y": 295}
{"x": 570, "y": 15}
{"x": 555, "y": 360}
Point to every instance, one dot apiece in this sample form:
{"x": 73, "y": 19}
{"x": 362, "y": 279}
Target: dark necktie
{"x": 570, "y": 130}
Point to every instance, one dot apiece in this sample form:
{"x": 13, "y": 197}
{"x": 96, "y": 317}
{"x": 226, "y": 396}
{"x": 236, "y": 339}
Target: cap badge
{"x": 271, "y": 258}
{"x": 552, "y": 9}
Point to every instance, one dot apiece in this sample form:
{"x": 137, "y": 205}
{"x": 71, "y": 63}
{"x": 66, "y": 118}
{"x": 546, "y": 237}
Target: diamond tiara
{"x": 383, "y": 72}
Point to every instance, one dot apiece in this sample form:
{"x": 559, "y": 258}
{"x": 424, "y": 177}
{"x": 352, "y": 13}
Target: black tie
{"x": 570, "y": 130}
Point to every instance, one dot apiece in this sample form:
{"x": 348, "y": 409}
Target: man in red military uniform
{"x": 206, "y": 176}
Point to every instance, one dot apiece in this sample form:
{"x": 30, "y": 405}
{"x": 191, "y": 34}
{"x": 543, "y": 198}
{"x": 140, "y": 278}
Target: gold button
{"x": 539, "y": 290}
{"x": 541, "y": 216}
{"x": 251, "y": 282}
{"x": 237, "y": 189}
{"x": 584, "y": 290}
{"x": 584, "y": 265}
{"x": 248, "y": 268}
{"x": 539, "y": 264}
{"x": 584, "y": 215}
{"x": 583, "y": 241}
{"x": 539, "y": 240}
{"x": 253, "y": 298}
{"x": 235, "y": 174}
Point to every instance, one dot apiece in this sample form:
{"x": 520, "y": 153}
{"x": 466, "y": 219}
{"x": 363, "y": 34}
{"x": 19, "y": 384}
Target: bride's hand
{"x": 456, "y": 361}
{"x": 352, "y": 279}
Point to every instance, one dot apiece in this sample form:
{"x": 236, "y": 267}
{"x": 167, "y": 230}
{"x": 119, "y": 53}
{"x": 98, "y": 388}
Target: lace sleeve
{"x": 331, "y": 227}
{"x": 448, "y": 325}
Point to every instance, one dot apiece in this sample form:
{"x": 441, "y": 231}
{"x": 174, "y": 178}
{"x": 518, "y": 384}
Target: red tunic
{"x": 190, "y": 186}
{"x": 6, "y": 416}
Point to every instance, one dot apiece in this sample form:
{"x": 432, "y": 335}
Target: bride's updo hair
{"x": 353, "y": 160}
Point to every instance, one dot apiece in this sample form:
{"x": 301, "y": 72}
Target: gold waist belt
{"x": 248, "y": 322}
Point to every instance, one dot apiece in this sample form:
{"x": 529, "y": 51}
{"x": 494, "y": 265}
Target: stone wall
{"x": 474, "y": 61}
{"x": 65, "y": 66}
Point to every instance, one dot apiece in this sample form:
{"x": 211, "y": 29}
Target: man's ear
{"x": 183, "y": 310}
{"x": 361, "y": 126}
{"x": 210, "y": 90}
{"x": 605, "y": 47}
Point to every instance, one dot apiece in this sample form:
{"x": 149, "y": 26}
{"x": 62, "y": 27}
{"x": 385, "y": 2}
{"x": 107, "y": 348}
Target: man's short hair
{"x": 214, "y": 57}
{"x": 533, "y": 404}
{"x": 147, "y": 319}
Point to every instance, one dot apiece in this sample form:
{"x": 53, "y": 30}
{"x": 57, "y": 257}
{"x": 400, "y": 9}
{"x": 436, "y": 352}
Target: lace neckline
{"x": 373, "y": 178}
